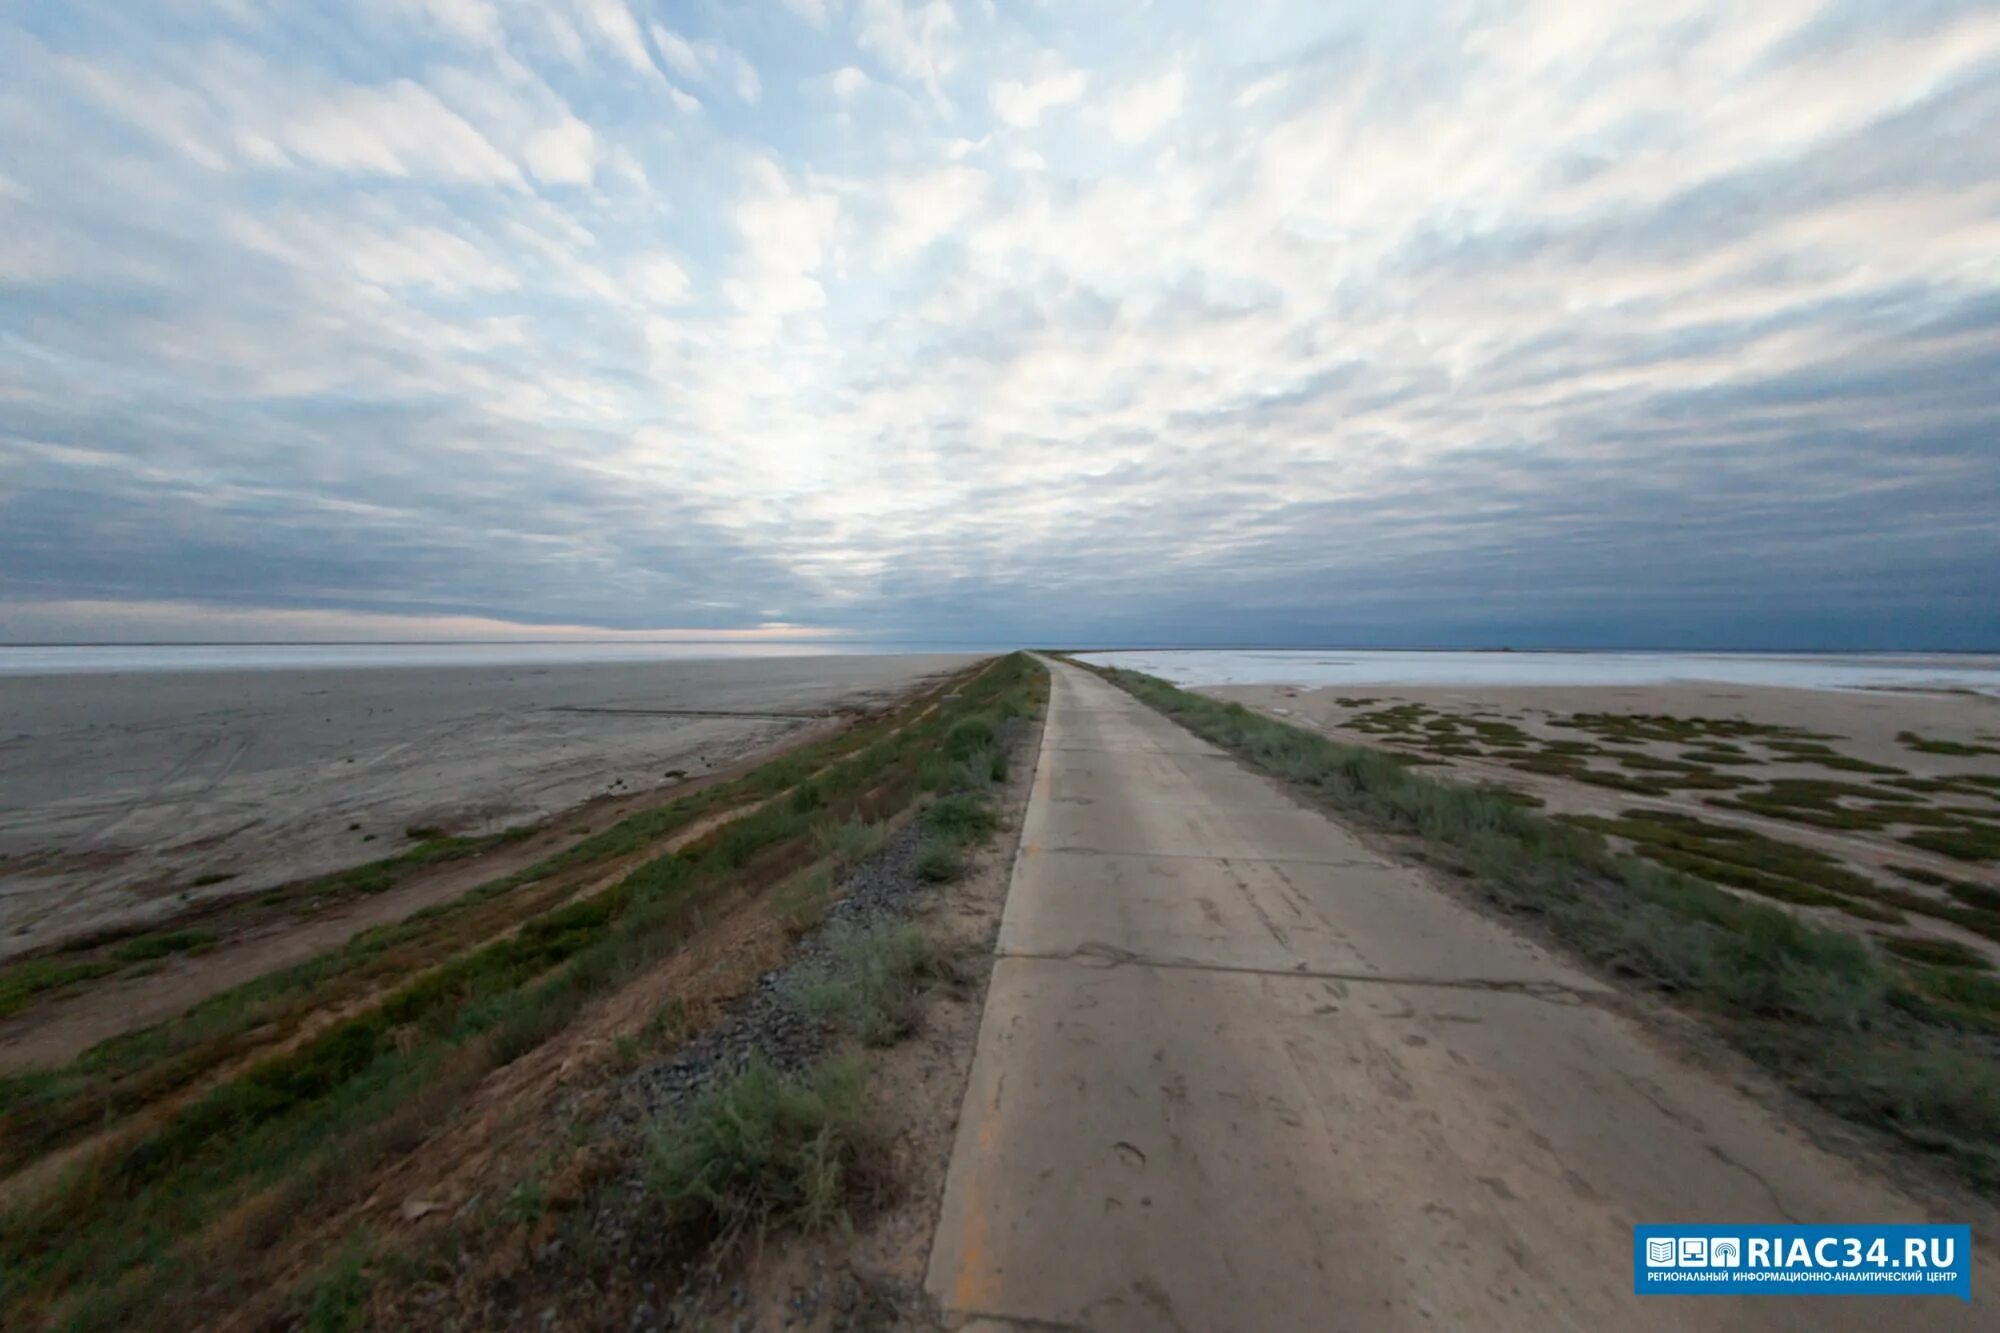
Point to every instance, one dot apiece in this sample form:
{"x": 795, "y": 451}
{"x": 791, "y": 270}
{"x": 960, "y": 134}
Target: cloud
{"x": 843, "y": 85}
{"x": 660, "y": 280}
{"x": 564, "y": 154}
{"x": 814, "y": 12}
{"x": 619, "y": 31}
{"x": 783, "y": 234}
{"x": 473, "y": 21}
{"x": 399, "y": 129}
{"x": 924, "y": 207}
{"x": 915, "y": 42}
{"x": 743, "y": 77}
{"x": 708, "y": 61}
{"x": 1141, "y": 110}
{"x": 1022, "y": 103}
{"x": 679, "y": 53}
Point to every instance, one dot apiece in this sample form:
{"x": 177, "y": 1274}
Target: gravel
{"x": 880, "y": 891}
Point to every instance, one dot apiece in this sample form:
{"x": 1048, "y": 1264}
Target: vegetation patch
{"x": 1638, "y": 728}
{"x": 872, "y": 980}
{"x": 1744, "y": 859}
{"x": 1934, "y": 952}
{"x": 1712, "y": 756}
{"x": 1957, "y": 749}
{"x": 953, "y": 823}
{"x": 144, "y": 948}
{"x": 1968, "y": 842}
{"x": 1977, "y": 897}
{"x": 1815, "y": 801}
{"x": 1959, "y": 996}
{"x": 767, "y": 1150}
{"x": 38, "y": 976}
{"x": 1620, "y": 782}
{"x": 25, "y": 981}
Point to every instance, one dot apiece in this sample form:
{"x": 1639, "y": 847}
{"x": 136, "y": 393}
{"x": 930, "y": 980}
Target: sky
{"x": 1542, "y": 323}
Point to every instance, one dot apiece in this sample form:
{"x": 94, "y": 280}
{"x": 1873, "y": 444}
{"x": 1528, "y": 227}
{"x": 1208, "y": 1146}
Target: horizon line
{"x": 978, "y": 643}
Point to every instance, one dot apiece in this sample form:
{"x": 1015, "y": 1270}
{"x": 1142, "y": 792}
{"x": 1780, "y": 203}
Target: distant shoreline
{"x": 1199, "y": 668}
{"x": 981, "y": 645}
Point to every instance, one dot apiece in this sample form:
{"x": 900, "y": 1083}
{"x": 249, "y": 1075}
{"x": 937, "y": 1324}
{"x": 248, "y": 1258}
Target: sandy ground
{"x": 1239, "y": 1069}
{"x": 119, "y": 792}
{"x": 1867, "y": 721}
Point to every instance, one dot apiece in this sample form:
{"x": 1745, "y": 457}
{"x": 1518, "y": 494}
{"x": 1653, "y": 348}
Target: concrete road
{"x": 1237, "y": 1071}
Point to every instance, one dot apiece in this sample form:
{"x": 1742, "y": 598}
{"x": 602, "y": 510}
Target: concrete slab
{"x": 1361, "y": 918}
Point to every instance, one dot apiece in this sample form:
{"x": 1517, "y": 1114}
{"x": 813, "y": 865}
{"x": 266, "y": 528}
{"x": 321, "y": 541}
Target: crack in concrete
{"x": 966, "y": 1317}
{"x": 1110, "y": 955}
{"x": 1348, "y": 864}
{"x": 1717, "y": 1151}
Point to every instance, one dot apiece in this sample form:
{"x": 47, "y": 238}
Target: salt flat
{"x": 118, "y": 791}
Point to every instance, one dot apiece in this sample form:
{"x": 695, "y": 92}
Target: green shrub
{"x": 21, "y": 983}
{"x": 939, "y": 861}
{"x": 1935, "y": 952}
{"x": 338, "y": 1301}
{"x": 849, "y": 843}
{"x": 871, "y": 982}
{"x": 145, "y": 947}
{"x": 764, "y": 1150}
{"x": 960, "y": 819}
{"x": 1965, "y": 843}
{"x": 968, "y": 737}
{"x": 1954, "y": 748}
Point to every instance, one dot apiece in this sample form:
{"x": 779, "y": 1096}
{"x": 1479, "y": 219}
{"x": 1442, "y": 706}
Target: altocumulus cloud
{"x": 1535, "y": 322}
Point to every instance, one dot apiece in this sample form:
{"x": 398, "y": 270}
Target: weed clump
{"x": 1968, "y": 842}
{"x": 1936, "y": 952}
{"x": 847, "y": 844}
{"x": 961, "y": 818}
{"x": 145, "y": 948}
{"x": 1957, "y": 749}
{"x": 766, "y": 1150}
{"x": 939, "y": 862}
{"x": 872, "y": 979}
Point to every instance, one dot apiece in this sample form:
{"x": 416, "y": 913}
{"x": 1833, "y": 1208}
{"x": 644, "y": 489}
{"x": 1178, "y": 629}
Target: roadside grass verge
{"x": 1866, "y": 1034}
{"x": 302, "y": 1130}
{"x": 765, "y": 1150}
